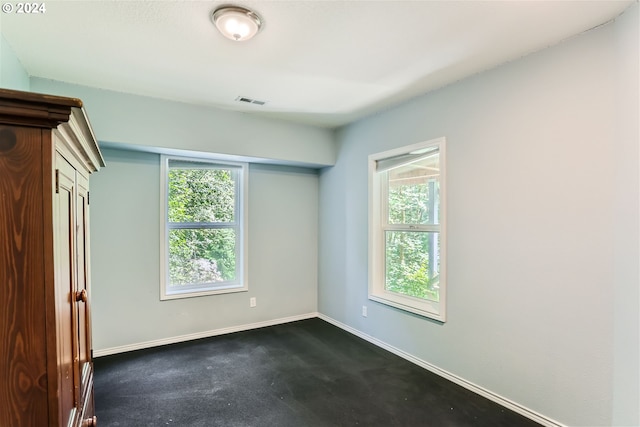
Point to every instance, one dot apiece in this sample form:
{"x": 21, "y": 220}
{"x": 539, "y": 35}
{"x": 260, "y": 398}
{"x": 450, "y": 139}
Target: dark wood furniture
{"x": 47, "y": 152}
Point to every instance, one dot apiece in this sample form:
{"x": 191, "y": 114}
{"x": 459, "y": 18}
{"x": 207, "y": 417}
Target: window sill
{"x": 415, "y": 309}
{"x": 191, "y": 293}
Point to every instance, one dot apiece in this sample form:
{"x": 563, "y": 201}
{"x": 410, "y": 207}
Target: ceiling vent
{"x": 250, "y": 101}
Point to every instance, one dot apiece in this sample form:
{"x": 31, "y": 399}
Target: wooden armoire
{"x": 47, "y": 152}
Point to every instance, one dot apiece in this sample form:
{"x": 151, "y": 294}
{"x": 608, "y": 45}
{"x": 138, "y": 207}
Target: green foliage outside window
{"x": 411, "y": 256}
{"x": 202, "y": 234}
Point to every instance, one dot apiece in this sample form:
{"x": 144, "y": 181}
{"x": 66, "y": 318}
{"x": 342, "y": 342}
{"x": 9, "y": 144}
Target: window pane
{"x": 412, "y": 264}
{"x": 201, "y": 256}
{"x": 201, "y": 194}
{"x": 414, "y": 192}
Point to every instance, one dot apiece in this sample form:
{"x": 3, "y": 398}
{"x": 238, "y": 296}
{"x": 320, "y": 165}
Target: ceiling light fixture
{"x": 236, "y": 23}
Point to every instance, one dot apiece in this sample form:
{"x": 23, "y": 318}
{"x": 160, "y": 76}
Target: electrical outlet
{"x": 364, "y": 311}
{"x": 252, "y": 302}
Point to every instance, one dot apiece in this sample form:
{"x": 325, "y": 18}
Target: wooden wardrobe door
{"x": 82, "y": 296}
{"x": 66, "y": 317}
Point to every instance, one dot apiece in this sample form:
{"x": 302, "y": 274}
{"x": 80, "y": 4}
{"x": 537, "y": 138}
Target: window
{"x": 203, "y": 225}
{"x": 407, "y": 244}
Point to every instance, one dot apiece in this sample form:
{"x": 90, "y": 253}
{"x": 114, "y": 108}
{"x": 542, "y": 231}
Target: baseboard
{"x": 198, "y": 335}
{"x": 515, "y": 407}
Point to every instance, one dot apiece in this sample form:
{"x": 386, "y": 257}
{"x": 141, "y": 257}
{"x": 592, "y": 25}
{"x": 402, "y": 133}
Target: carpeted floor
{"x": 302, "y": 374}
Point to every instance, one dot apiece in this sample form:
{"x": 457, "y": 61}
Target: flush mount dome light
{"x": 236, "y": 23}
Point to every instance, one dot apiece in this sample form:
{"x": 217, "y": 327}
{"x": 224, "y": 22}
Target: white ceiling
{"x": 320, "y": 62}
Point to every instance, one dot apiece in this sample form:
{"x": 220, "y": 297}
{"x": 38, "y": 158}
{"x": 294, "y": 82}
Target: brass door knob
{"x": 82, "y": 295}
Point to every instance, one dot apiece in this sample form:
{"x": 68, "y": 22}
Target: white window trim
{"x": 377, "y": 201}
{"x": 241, "y": 239}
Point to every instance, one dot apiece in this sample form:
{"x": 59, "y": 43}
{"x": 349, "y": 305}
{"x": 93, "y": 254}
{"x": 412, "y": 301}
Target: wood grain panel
{"x": 23, "y": 384}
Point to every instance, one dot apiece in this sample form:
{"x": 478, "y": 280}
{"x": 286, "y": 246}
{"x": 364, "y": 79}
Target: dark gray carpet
{"x": 306, "y": 373}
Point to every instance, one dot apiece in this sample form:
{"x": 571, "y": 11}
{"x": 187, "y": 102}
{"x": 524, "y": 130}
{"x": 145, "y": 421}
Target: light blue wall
{"x": 125, "y": 229}
{"x": 125, "y": 203}
{"x": 538, "y": 226}
{"x": 12, "y": 73}
{"x": 124, "y": 120}
{"x": 626, "y": 274}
